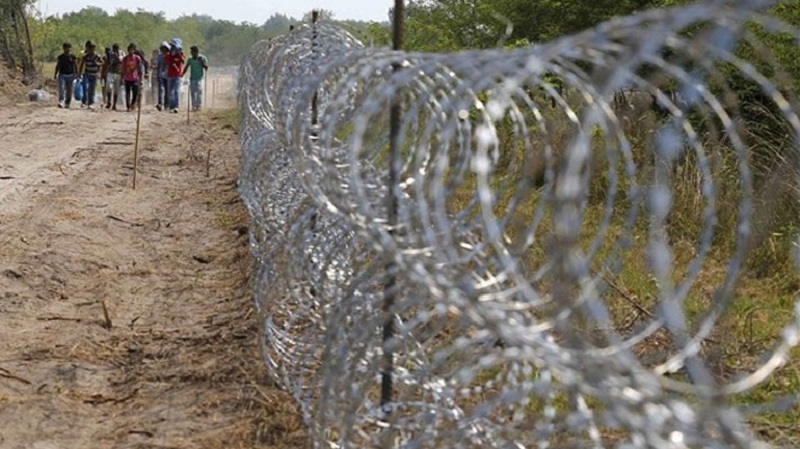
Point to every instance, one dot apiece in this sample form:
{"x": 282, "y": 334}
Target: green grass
{"x": 762, "y": 302}
{"x": 225, "y": 220}
{"x": 227, "y": 118}
{"x": 46, "y": 69}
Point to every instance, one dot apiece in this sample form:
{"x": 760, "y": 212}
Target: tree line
{"x": 29, "y": 39}
{"x": 222, "y": 41}
{"x": 453, "y": 25}
{"x": 431, "y": 25}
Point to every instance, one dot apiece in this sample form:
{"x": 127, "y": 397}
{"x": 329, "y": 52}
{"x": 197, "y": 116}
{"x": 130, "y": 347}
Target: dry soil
{"x": 125, "y": 315}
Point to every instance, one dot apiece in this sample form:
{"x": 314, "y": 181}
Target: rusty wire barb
{"x": 532, "y": 180}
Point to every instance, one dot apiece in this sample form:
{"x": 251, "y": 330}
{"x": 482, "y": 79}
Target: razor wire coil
{"x": 519, "y": 203}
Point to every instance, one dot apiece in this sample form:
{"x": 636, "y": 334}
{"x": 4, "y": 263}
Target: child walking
{"x": 197, "y": 65}
{"x": 132, "y": 75}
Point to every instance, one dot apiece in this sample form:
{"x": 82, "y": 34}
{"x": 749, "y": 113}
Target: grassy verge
{"x": 760, "y": 305}
{"x": 269, "y": 417}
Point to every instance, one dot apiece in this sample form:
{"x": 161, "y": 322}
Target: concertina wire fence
{"x": 499, "y": 225}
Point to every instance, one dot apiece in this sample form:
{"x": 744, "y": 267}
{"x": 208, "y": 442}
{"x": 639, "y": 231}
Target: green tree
{"x": 436, "y": 25}
{"x": 16, "y": 44}
{"x": 222, "y": 41}
{"x": 278, "y": 23}
{"x": 324, "y": 14}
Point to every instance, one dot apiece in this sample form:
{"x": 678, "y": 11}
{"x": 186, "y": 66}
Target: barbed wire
{"x": 527, "y": 188}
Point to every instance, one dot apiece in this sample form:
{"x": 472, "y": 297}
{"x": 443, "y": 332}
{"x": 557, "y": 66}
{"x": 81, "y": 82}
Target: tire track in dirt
{"x": 125, "y": 318}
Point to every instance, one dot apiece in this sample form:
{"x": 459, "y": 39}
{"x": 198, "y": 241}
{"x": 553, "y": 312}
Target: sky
{"x": 253, "y": 11}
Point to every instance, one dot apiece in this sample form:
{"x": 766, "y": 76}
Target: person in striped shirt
{"x": 90, "y": 70}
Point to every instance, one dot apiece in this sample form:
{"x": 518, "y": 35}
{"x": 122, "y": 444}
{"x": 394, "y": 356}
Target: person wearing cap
{"x": 112, "y": 74}
{"x": 160, "y": 71}
{"x": 90, "y": 70}
{"x": 175, "y": 60}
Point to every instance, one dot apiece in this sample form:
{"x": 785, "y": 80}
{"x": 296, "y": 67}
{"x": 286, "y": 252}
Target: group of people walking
{"x": 78, "y": 75}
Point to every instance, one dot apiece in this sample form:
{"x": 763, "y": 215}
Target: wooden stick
{"x": 8, "y": 375}
{"x": 188, "y": 103}
{"x": 136, "y": 225}
{"x": 208, "y": 160}
{"x": 136, "y": 144}
{"x": 627, "y": 297}
{"x": 106, "y": 316}
{"x": 58, "y": 318}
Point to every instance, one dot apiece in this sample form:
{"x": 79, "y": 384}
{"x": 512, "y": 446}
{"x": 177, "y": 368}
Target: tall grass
{"x": 764, "y": 296}
{"x": 707, "y": 193}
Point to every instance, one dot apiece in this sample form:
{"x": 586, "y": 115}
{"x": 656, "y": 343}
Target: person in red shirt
{"x": 132, "y": 75}
{"x": 175, "y": 61}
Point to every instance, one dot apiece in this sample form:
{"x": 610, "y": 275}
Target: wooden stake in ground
{"x": 107, "y": 324}
{"x": 136, "y": 144}
{"x": 188, "y": 103}
{"x": 208, "y": 159}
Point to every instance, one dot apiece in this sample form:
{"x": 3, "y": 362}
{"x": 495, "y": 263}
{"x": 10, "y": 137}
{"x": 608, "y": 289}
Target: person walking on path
{"x": 112, "y": 74}
{"x": 81, "y": 80}
{"x": 160, "y": 71}
{"x": 197, "y": 65}
{"x": 103, "y": 87}
{"x": 90, "y": 70}
{"x": 133, "y": 71}
{"x": 148, "y": 69}
{"x": 175, "y": 60}
{"x": 154, "y": 77}
{"x": 66, "y": 70}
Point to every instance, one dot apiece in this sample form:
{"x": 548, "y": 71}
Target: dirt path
{"x": 125, "y": 319}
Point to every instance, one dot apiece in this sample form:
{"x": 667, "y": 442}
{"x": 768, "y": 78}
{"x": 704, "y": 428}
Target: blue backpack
{"x": 79, "y": 90}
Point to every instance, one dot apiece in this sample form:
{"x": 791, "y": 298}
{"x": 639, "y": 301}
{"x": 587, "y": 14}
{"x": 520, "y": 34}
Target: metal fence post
{"x": 390, "y": 286}
{"x": 314, "y": 48}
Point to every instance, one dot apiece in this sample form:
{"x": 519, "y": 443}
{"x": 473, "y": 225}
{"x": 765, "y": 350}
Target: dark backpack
{"x": 144, "y": 61}
{"x": 114, "y": 63}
